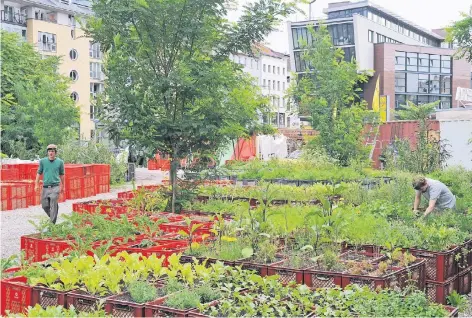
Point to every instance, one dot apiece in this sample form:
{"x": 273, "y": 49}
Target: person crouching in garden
{"x": 437, "y": 194}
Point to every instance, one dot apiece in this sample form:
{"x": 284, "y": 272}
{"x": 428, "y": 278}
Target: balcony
{"x": 13, "y": 18}
{"x": 48, "y": 17}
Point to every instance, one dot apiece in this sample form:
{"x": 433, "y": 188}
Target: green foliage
{"x": 36, "y": 107}
{"x": 58, "y": 311}
{"x": 328, "y": 93}
{"x": 91, "y": 152}
{"x": 142, "y": 292}
{"x": 179, "y": 92}
{"x": 185, "y": 299}
{"x": 459, "y": 33}
{"x": 6, "y": 263}
{"x": 430, "y": 153}
{"x": 459, "y": 301}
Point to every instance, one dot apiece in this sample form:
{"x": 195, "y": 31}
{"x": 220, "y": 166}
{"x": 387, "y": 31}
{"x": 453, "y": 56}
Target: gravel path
{"x": 14, "y": 223}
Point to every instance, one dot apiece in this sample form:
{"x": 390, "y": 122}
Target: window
{"x": 73, "y": 54}
{"x": 273, "y": 85}
{"x": 278, "y": 70}
{"x": 422, "y": 99}
{"x": 445, "y": 102}
{"x": 370, "y": 36}
{"x": 264, "y": 67}
{"x": 278, "y": 85}
{"x": 349, "y": 53}
{"x": 268, "y": 68}
{"x": 434, "y": 63}
{"x": 72, "y": 34}
{"x": 94, "y": 50}
{"x": 445, "y": 64}
{"x": 74, "y": 96}
{"x": 342, "y": 34}
{"x": 423, "y": 62}
{"x": 369, "y": 15}
{"x": 400, "y": 82}
{"x": 283, "y": 86}
{"x": 434, "y": 84}
{"x": 400, "y": 101}
{"x": 445, "y": 82}
{"x": 47, "y": 42}
{"x": 264, "y": 82}
{"x": 412, "y": 62}
{"x": 95, "y": 89}
{"x": 400, "y": 61}
{"x": 92, "y": 113}
{"x": 96, "y": 70}
{"x": 273, "y": 69}
{"x": 412, "y": 83}
{"x": 268, "y": 86}
{"x": 74, "y": 76}
{"x": 423, "y": 83}
{"x": 283, "y": 71}
{"x": 300, "y": 37}
{"x": 381, "y": 38}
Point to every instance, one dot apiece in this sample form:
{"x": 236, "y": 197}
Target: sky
{"x": 429, "y": 14}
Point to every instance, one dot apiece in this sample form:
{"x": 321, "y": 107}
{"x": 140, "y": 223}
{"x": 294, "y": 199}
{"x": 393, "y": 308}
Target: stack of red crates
{"x": 81, "y": 181}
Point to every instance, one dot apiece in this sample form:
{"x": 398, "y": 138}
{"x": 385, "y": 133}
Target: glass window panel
{"x": 412, "y": 83}
{"x": 423, "y": 83}
{"x": 400, "y": 82}
{"x": 423, "y": 62}
{"x": 445, "y": 102}
{"x": 423, "y": 99}
{"x": 295, "y": 39}
{"x": 412, "y": 98}
{"x": 400, "y": 61}
{"x": 412, "y": 62}
{"x": 445, "y": 85}
{"x": 434, "y": 63}
{"x": 400, "y": 101}
{"x": 369, "y": 15}
{"x": 370, "y": 36}
{"x": 445, "y": 64}
{"x": 434, "y": 84}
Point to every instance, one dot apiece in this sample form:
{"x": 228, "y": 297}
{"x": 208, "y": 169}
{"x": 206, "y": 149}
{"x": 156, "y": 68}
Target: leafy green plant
{"x": 142, "y": 292}
{"x": 57, "y": 311}
{"x": 459, "y": 301}
{"x": 185, "y": 299}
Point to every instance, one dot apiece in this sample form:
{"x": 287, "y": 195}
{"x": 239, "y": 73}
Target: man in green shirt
{"x": 53, "y": 182}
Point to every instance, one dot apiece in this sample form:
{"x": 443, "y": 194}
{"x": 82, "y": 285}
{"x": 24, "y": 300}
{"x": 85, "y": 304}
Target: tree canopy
{"x": 36, "y": 106}
{"x": 170, "y": 83}
{"x": 461, "y": 33}
{"x": 327, "y": 91}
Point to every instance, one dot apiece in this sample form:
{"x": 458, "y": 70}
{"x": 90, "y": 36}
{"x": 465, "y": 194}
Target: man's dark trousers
{"x": 49, "y": 201}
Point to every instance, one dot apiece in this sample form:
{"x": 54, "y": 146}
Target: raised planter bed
{"x": 46, "y": 297}
{"x": 390, "y": 280}
{"x": 36, "y": 248}
{"x": 465, "y": 280}
{"x": 15, "y": 296}
{"x": 260, "y": 269}
{"x": 83, "y": 301}
{"x": 157, "y": 308}
{"x": 440, "y": 266}
{"x": 438, "y": 291}
{"x": 122, "y": 306}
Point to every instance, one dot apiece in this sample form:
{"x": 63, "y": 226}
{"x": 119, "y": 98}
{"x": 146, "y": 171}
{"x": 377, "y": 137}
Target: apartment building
{"x": 408, "y": 61}
{"x": 52, "y": 27}
{"x": 271, "y": 72}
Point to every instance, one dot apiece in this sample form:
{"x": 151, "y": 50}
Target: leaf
{"x": 307, "y": 247}
{"x": 183, "y": 233}
{"x": 195, "y": 227}
{"x": 142, "y": 3}
{"x": 247, "y": 252}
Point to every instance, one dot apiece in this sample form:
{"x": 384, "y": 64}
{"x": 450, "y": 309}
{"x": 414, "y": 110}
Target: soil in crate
{"x": 360, "y": 256}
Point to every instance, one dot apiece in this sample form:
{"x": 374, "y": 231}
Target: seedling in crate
{"x": 192, "y": 228}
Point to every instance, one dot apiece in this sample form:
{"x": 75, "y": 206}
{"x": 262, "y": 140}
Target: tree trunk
{"x": 173, "y": 180}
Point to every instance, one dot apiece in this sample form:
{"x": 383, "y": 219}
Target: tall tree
{"x": 171, "y": 86}
{"x": 461, "y": 33}
{"x": 36, "y": 104}
{"x": 328, "y": 92}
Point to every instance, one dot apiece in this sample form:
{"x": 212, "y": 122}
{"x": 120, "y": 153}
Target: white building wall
{"x": 457, "y": 134}
{"x": 365, "y": 49}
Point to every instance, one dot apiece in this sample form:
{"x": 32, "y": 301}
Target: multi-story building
{"x": 271, "y": 72}
{"x": 408, "y": 61}
{"x": 51, "y": 27}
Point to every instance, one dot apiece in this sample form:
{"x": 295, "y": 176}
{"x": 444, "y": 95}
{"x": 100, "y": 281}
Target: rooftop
{"x": 337, "y": 6}
{"x": 82, "y": 7}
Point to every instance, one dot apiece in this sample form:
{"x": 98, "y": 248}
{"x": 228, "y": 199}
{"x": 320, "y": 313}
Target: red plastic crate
{"x": 14, "y": 196}
{"x": 46, "y": 297}
{"x": 153, "y": 164}
{"x": 260, "y": 269}
{"x": 438, "y": 291}
{"x": 182, "y": 226}
{"x": 83, "y": 301}
{"x": 9, "y": 174}
{"x": 37, "y": 248}
{"x": 440, "y": 266}
{"x": 88, "y": 186}
{"x": 121, "y": 308}
{"x": 465, "y": 279}
{"x": 320, "y": 279}
{"x": 74, "y": 188}
{"x": 15, "y": 295}
{"x": 113, "y": 208}
{"x": 156, "y": 308}
{"x": 28, "y": 171}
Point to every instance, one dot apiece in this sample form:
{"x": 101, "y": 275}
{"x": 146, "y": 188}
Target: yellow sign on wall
{"x": 375, "y": 100}
{"x": 383, "y": 109}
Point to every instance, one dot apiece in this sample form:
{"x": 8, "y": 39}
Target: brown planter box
{"x": 438, "y": 291}
{"x": 48, "y": 297}
{"x": 83, "y": 301}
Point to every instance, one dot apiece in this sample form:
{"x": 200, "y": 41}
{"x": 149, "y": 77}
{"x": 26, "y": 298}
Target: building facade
{"x": 52, "y": 28}
{"x": 271, "y": 72}
{"x": 406, "y": 61}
